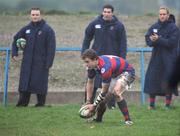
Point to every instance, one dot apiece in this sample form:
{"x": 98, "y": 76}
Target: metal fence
{"x": 6, "y": 66}
{"x": 142, "y": 51}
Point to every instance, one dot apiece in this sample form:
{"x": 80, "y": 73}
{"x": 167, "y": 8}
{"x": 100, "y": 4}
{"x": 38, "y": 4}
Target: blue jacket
{"x": 163, "y": 56}
{"x": 38, "y": 56}
{"x": 109, "y": 37}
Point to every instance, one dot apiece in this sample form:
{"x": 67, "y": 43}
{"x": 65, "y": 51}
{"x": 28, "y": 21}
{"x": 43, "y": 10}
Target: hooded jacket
{"x": 109, "y": 37}
{"x": 163, "y": 56}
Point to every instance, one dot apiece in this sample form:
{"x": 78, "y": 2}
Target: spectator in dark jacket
{"x": 38, "y": 56}
{"x": 174, "y": 78}
{"x": 163, "y": 38}
{"x": 109, "y": 39}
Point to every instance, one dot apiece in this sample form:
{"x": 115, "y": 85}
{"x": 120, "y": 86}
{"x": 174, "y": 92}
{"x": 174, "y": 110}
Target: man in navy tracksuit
{"x": 38, "y": 56}
{"x": 109, "y": 39}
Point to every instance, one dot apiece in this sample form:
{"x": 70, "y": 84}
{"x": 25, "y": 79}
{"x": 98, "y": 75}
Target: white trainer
{"x": 128, "y": 122}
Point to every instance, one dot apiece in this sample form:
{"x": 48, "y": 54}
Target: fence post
{"x": 142, "y": 76}
{"x": 6, "y": 76}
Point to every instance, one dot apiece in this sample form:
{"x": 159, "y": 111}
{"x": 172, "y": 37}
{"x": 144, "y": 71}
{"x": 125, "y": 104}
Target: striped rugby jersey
{"x": 110, "y": 66}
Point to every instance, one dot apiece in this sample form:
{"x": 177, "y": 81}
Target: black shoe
{"x": 21, "y": 105}
{"x": 98, "y": 120}
{"x": 39, "y": 105}
{"x": 91, "y": 120}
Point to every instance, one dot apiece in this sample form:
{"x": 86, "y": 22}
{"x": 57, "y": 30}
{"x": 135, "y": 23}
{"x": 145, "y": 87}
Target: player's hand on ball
{"x": 91, "y": 107}
{"x": 85, "y": 112}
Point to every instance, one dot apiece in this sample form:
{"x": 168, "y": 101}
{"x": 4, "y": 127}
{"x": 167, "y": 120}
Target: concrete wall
{"x": 74, "y": 98}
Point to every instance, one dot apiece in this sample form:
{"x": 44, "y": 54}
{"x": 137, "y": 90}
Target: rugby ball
{"x": 21, "y": 43}
{"x": 84, "y": 112}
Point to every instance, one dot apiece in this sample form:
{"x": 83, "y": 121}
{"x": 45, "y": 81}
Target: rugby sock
{"x": 99, "y": 98}
{"x": 124, "y": 109}
{"x": 168, "y": 99}
{"x": 101, "y": 108}
{"x": 152, "y": 101}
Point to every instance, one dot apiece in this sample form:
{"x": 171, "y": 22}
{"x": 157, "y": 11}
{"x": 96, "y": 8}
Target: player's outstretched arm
{"x": 89, "y": 88}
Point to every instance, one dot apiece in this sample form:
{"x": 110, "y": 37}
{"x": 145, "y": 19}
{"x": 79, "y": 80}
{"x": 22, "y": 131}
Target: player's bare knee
{"x": 117, "y": 91}
{"x": 119, "y": 98}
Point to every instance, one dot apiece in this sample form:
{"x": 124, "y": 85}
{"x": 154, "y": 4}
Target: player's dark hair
{"x": 89, "y": 53}
{"x": 108, "y": 6}
{"x": 35, "y": 8}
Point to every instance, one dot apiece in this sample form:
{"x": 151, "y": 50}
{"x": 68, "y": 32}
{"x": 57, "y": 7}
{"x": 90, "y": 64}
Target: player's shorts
{"x": 125, "y": 79}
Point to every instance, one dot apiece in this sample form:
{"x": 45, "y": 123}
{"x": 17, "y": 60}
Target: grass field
{"x": 63, "y": 120}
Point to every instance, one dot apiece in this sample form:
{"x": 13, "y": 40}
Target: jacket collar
{"x": 38, "y": 24}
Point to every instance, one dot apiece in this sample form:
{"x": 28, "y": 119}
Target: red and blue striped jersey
{"x": 110, "y": 66}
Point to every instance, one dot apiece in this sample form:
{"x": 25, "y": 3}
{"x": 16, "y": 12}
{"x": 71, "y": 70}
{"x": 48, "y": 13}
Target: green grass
{"x": 64, "y": 121}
